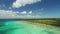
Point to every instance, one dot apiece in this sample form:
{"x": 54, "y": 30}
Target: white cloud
{"x": 7, "y": 13}
{"x": 30, "y": 12}
{"x": 12, "y": 14}
{"x": 24, "y": 12}
{"x": 20, "y": 3}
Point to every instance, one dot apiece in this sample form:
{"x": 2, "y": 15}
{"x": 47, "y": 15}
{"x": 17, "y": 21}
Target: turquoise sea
{"x": 22, "y": 27}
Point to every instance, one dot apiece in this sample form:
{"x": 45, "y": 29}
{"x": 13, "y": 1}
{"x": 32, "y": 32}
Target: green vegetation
{"x": 55, "y": 22}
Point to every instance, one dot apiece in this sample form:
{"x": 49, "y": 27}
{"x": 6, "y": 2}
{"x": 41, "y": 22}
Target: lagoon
{"x": 22, "y": 27}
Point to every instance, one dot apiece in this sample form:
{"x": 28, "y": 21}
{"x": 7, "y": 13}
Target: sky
{"x": 29, "y": 8}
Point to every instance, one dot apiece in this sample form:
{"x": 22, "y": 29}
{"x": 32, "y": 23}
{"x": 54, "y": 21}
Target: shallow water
{"x": 21, "y": 27}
